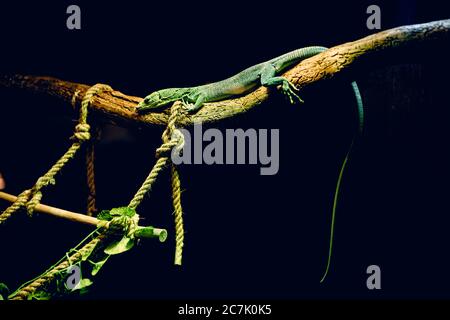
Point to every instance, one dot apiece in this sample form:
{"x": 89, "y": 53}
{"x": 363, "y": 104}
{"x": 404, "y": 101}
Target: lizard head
{"x": 161, "y": 98}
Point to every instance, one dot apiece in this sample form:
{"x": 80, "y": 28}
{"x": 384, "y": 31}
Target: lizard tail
{"x": 333, "y": 213}
{"x": 360, "y": 107}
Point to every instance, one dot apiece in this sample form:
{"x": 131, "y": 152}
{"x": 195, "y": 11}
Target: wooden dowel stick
{"x": 73, "y": 216}
{"x": 82, "y": 218}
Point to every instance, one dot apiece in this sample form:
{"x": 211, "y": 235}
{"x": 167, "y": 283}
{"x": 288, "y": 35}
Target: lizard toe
{"x": 292, "y": 96}
{"x": 190, "y": 107}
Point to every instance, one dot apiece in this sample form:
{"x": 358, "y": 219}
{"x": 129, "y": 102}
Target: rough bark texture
{"x": 322, "y": 66}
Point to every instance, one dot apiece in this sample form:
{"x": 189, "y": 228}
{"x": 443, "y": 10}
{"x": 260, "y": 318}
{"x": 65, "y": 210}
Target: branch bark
{"x": 322, "y": 66}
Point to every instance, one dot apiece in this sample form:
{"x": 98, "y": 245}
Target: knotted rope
{"x": 162, "y": 153}
{"x": 172, "y": 139}
{"x": 32, "y": 197}
{"x": 90, "y": 170}
{"x": 21, "y": 201}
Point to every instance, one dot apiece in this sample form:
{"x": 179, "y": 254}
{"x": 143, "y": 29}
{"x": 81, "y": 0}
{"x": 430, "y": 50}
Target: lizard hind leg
{"x": 268, "y": 79}
{"x": 288, "y": 89}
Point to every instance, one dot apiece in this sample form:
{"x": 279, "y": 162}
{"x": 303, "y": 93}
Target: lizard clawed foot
{"x": 190, "y": 107}
{"x": 290, "y": 91}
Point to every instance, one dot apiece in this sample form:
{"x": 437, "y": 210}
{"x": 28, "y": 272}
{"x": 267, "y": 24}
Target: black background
{"x": 247, "y": 236}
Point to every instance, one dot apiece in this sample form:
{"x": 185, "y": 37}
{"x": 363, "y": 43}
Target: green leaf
{"x": 40, "y": 295}
{"x": 98, "y": 265}
{"x": 120, "y": 246}
{"x": 104, "y": 215}
{"x": 116, "y": 212}
{"x": 122, "y": 211}
{"x": 84, "y": 283}
{"x": 4, "y": 291}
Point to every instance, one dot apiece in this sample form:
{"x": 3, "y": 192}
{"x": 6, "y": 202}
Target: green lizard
{"x": 261, "y": 74}
{"x": 264, "y": 74}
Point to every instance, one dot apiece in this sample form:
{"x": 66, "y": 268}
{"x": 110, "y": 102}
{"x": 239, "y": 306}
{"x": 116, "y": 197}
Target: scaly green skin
{"x": 261, "y": 74}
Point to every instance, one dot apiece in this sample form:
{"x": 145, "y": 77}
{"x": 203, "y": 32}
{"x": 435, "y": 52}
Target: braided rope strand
{"x": 90, "y": 177}
{"x": 90, "y": 153}
{"x": 81, "y": 134}
{"x": 22, "y": 199}
{"x": 179, "y": 228}
{"x": 148, "y": 183}
{"x": 39, "y": 283}
{"x": 172, "y": 133}
{"x": 172, "y": 138}
{"x": 162, "y": 155}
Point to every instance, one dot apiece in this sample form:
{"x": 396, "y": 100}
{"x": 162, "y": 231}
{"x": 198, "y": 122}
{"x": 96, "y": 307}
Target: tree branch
{"x": 322, "y": 66}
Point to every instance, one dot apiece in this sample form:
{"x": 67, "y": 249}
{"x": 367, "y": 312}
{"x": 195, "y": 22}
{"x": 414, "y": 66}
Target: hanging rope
{"x": 179, "y": 229}
{"x": 31, "y": 198}
{"x": 90, "y": 175}
{"x": 172, "y": 138}
{"x": 91, "y": 207}
{"x": 162, "y": 153}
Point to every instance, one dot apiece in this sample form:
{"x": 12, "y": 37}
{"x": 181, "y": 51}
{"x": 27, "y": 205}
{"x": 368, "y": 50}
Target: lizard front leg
{"x": 193, "y": 107}
{"x": 268, "y": 79}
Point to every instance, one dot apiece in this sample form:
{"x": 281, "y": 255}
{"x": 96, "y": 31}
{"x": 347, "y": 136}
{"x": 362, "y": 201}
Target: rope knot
{"x": 33, "y": 202}
{"x": 123, "y": 224}
{"x": 173, "y": 140}
{"x": 43, "y": 182}
{"x": 20, "y": 202}
{"x": 176, "y": 143}
{"x": 82, "y": 132}
{"x": 31, "y": 198}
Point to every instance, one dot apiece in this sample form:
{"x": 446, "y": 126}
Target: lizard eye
{"x": 153, "y": 97}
